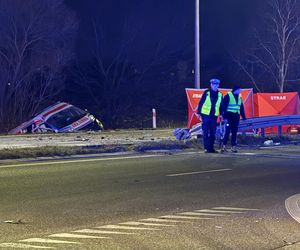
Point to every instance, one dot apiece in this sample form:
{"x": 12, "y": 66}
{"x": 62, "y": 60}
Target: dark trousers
{"x": 209, "y": 126}
{"x": 231, "y": 127}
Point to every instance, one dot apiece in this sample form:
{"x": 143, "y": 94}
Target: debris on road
{"x": 271, "y": 143}
{"x": 14, "y": 221}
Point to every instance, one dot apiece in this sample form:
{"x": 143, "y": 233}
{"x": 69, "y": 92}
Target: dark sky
{"x": 224, "y": 25}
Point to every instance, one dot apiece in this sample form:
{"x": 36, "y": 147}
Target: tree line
{"x": 39, "y": 64}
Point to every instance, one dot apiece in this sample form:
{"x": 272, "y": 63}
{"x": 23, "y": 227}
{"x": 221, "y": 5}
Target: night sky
{"x": 119, "y": 59}
{"x": 224, "y": 25}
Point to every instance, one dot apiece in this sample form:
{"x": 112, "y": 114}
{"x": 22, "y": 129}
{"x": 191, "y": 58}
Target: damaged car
{"x": 60, "y": 117}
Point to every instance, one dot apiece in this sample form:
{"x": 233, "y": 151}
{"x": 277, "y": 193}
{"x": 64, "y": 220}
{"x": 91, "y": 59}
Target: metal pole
{"x": 153, "y": 118}
{"x": 197, "y": 44}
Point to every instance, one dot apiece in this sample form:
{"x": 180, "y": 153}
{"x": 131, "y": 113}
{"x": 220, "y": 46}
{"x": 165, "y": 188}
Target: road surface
{"x": 187, "y": 200}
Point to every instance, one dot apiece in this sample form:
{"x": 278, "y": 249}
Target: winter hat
{"x": 215, "y": 81}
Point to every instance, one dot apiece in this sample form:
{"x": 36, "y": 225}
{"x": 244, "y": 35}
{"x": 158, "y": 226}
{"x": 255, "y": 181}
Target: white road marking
{"x": 92, "y": 231}
{"x": 266, "y": 155}
{"x": 134, "y": 223}
{"x": 187, "y": 153}
{"x": 40, "y": 240}
{"x": 183, "y": 217}
{"x": 251, "y": 154}
{"x": 160, "y": 220}
{"x": 77, "y": 161}
{"x": 24, "y": 246}
{"x": 79, "y": 236}
{"x": 202, "y": 214}
{"x": 292, "y": 205}
{"x": 129, "y": 228}
{"x": 219, "y": 211}
{"x": 275, "y": 146}
{"x": 237, "y": 208}
{"x": 200, "y": 172}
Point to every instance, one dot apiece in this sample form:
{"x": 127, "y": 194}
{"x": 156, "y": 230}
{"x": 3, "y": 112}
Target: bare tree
{"x": 113, "y": 80}
{"x": 133, "y": 64}
{"x": 275, "y": 55}
{"x": 35, "y": 44}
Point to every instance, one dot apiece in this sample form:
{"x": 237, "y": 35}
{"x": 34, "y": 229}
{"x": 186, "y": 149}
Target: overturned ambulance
{"x": 60, "y": 117}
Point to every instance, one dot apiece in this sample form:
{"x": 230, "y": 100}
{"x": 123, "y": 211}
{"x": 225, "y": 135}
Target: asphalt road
{"x": 187, "y": 200}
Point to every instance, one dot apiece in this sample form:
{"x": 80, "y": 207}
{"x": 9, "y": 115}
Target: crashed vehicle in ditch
{"x": 60, "y": 117}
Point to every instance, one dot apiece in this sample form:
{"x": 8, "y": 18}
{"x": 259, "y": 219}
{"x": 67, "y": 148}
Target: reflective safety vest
{"x": 207, "y": 104}
{"x": 234, "y": 106}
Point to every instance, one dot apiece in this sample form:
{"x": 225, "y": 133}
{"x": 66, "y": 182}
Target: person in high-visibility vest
{"x": 233, "y": 108}
{"x": 209, "y": 108}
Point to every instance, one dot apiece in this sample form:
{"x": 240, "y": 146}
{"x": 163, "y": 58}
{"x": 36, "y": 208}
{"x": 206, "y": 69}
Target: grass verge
{"x": 51, "y": 151}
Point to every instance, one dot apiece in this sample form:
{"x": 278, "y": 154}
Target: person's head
{"x": 214, "y": 84}
{"x": 236, "y": 90}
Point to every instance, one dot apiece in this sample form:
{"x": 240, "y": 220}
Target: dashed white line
{"x": 128, "y": 228}
{"x": 24, "y": 246}
{"x": 92, "y": 231}
{"x": 40, "y": 240}
{"x": 134, "y": 223}
{"x": 161, "y": 220}
{"x": 184, "y": 217}
{"x": 219, "y": 211}
{"x": 236, "y": 208}
{"x": 245, "y": 153}
{"x": 202, "y": 214}
{"x": 292, "y": 205}
{"x": 200, "y": 172}
{"x": 78, "y": 236}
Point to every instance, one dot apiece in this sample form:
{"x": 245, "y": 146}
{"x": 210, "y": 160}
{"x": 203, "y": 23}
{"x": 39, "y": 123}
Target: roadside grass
{"x": 123, "y": 133}
{"x": 17, "y": 153}
{"x": 245, "y": 141}
{"x": 50, "y": 151}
